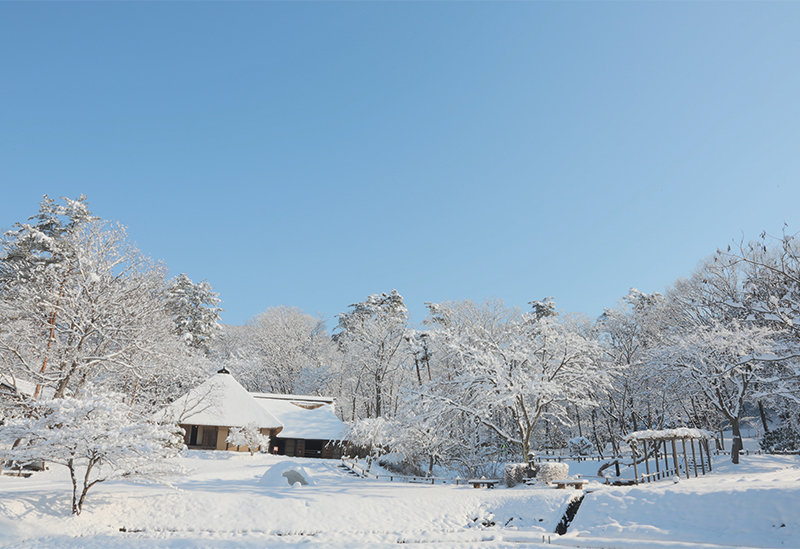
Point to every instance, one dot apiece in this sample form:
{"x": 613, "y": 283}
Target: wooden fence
{"x": 354, "y": 466}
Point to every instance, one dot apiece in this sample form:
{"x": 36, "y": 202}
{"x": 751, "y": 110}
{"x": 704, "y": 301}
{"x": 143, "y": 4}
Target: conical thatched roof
{"x": 219, "y": 401}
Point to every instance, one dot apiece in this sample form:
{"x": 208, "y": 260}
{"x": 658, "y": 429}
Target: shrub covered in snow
{"x": 580, "y": 446}
{"x": 250, "y": 436}
{"x": 783, "y": 439}
{"x": 547, "y": 472}
{"x": 516, "y": 473}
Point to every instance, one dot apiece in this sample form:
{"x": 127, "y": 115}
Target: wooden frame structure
{"x": 655, "y": 445}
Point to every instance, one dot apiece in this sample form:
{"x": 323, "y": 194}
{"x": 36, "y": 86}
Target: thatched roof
{"x": 220, "y": 401}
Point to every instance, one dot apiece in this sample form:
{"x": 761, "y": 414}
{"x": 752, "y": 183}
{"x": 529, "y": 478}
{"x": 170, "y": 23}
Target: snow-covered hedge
{"x": 516, "y": 473}
{"x": 546, "y": 472}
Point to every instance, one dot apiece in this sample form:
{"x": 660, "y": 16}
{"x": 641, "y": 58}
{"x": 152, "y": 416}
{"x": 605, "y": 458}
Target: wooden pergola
{"x": 656, "y": 445}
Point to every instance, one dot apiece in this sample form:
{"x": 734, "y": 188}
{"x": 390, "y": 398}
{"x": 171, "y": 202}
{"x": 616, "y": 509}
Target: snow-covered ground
{"x": 221, "y": 503}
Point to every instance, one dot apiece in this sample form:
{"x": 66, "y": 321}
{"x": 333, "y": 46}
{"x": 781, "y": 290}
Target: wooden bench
{"x": 483, "y": 482}
{"x": 562, "y": 484}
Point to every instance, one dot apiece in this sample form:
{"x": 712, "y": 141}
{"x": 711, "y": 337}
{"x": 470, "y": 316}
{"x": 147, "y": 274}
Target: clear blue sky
{"x": 310, "y": 154}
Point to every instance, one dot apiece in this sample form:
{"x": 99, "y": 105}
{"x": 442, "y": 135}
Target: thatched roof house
{"x": 210, "y": 410}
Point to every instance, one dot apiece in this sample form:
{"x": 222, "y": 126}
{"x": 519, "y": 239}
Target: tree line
{"x": 84, "y": 312}
{"x": 482, "y": 383}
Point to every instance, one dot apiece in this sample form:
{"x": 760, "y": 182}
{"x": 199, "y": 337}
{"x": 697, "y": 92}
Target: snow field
{"x": 221, "y": 501}
{"x": 220, "y": 504}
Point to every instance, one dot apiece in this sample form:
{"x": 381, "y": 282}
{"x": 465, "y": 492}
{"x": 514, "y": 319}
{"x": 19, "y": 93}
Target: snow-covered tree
{"x": 97, "y": 437}
{"x": 373, "y": 339}
{"x": 771, "y": 297}
{"x": 724, "y": 363}
{"x": 508, "y": 370}
{"x": 90, "y": 309}
{"x": 637, "y": 395}
{"x": 37, "y": 261}
{"x": 372, "y": 436}
{"x": 714, "y": 351}
{"x": 194, "y": 309}
{"x": 282, "y": 350}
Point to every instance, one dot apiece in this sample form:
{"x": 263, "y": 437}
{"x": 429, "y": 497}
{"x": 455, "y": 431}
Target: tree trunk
{"x": 378, "y": 397}
{"x": 763, "y": 415}
{"x": 594, "y": 433}
{"x": 737, "y": 445}
{"x": 70, "y": 465}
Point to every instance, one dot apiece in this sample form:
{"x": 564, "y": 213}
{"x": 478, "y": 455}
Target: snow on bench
{"x": 561, "y": 484}
{"x": 483, "y": 482}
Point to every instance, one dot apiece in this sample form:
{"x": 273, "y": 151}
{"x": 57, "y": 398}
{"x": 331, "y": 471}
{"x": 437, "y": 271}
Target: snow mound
{"x": 287, "y": 473}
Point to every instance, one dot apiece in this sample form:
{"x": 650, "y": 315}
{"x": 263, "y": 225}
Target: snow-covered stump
{"x": 547, "y": 472}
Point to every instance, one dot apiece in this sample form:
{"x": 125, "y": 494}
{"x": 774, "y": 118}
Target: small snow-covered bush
{"x": 516, "y": 473}
{"x": 250, "y": 436}
{"x": 580, "y": 446}
{"x": 547, "y": 472}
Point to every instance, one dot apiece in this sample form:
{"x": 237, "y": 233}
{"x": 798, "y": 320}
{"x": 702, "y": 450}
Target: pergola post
{"x": 666, "y": 460}
{"x": 702, "y": 461}
{"x": 675, "y": 458}
{"x": 694, "y": 459}
{"x": 635, "y": 469}
{"x": 646, "y": 460}
{"x": 685, "y": 459}
{"x": 709, "y": 455}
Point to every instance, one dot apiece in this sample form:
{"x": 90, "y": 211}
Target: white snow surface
{"x": 220, "y": 401}
{"x": 222, "y": 504}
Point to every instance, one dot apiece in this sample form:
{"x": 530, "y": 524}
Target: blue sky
{"x": 310, "y": 154}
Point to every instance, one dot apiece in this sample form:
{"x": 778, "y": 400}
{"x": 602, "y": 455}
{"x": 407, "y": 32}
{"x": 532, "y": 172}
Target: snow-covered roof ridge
{"x": 667, "y": 434}
{"x": 298, "y": 398}
{"x": 219, "y": 401}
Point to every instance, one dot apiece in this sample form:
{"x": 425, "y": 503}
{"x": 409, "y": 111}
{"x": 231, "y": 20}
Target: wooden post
{"x": 702, "y": 461}
{"x": 709, "y": 455}
{"x": 675, "y": 458}
{"x": 666, "y": 460}
{"x": 646, "y": 460}
{"x": 685, "y": 459}
{"x": 656, "y": 446}
{"x": 694, "y": 459}
{"x": 635, "y": 469}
